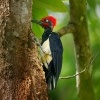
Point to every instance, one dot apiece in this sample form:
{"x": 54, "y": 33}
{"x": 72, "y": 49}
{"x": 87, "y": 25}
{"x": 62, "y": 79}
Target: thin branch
{"x": 68, "y": 77}
{"x": 70, "y": 28}
{"x": 86, "y": 68}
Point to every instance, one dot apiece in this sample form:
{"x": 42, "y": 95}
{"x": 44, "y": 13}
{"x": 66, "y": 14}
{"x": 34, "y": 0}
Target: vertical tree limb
{"x": 21, "y": 74}
{"x": 82, "y": 49}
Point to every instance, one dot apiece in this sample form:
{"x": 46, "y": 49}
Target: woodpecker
{"x": 53, "y": 51}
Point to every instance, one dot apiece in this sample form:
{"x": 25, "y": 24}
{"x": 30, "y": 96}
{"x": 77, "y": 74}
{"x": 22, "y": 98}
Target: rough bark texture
{"x": 82, "y": 49}
{"x": 21, "y": 74}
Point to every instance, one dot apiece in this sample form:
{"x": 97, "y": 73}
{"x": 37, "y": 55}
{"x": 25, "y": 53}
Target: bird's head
{"x": 46, "y": 22}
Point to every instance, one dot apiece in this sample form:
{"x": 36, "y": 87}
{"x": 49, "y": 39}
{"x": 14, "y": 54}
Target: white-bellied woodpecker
{"x": 53, "y": 51}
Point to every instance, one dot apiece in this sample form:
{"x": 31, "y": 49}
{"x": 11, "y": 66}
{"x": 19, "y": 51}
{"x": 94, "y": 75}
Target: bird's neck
{"x": 47, "y": 30}
{"x": 46, "y": 34}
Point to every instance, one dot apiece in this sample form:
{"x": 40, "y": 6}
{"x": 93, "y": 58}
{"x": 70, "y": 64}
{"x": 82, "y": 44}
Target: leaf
{"x": 37, "y": 13}
{"x": 55, "y": 5}
{"x": 38, "y": 30}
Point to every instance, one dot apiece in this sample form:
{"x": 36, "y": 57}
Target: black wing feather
{"x": 56, "y": 50}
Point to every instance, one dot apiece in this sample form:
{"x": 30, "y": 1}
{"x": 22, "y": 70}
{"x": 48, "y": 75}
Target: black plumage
{"x": 55, "y": 65}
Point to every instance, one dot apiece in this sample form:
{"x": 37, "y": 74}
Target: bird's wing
{"x": 56, "y": 50}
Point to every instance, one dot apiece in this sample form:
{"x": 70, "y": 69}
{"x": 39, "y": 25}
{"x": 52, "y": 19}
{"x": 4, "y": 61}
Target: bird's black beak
{"x": 36, "y": 21}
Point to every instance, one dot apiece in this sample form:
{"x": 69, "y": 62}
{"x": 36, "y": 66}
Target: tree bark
{"x": 82, "y": 49}
{"x": 21, "y": 74}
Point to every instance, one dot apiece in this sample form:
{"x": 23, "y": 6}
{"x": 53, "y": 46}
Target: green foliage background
{"x": 66, "y": 89}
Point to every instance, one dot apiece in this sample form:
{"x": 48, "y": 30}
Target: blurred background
{"x": 66, "y": 88}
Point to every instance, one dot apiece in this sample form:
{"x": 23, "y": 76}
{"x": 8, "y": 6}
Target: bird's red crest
{"x": 51, "y": 19}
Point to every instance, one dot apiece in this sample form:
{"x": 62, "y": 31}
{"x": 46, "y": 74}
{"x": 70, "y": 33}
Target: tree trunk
{"x": 21, "y": 74}
{"x": 82, "y": 49}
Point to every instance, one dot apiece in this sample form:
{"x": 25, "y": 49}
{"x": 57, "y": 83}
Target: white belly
{"x": 46, "y": 47}
{"x": 47, "y": 51}
{"x": 48, "y": 58}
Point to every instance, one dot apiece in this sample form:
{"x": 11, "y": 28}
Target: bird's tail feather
{"x": 52, "y": 82}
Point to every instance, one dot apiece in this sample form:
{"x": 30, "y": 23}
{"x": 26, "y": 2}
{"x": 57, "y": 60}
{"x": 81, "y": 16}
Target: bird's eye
{"x": 47, "y": 20}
